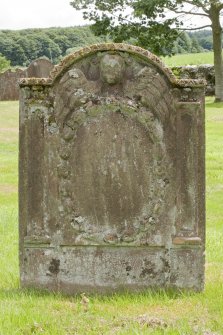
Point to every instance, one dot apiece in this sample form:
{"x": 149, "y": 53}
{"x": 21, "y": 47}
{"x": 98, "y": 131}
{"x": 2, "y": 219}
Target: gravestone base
{"x": 110, "y": 269}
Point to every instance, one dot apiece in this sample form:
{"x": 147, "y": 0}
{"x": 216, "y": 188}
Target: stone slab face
{"x": 111, "y": 175}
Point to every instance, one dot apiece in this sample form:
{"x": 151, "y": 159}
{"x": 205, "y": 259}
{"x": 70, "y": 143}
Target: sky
{"x": 19, "y": 14}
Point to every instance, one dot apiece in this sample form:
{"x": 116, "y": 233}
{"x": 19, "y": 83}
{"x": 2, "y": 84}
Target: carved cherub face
{"x": 112, "y": 69}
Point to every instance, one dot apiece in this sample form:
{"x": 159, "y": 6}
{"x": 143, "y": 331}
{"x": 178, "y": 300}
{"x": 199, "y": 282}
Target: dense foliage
{"x": 23, "y": 46}
{"x": 155, "y": 24}
{"x": 4, "y": 63}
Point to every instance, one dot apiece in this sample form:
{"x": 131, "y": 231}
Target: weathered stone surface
{"x": 9, "y": 86}
{"x": 111, "y": 175}
{"x": 205, "y": 71}
{"x": 39, "y": 68}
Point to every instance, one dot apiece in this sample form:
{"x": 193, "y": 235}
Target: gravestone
{"x": 39, "y": 68}
{"x": 111, "y": 175}
{"x": 9, "y": 87}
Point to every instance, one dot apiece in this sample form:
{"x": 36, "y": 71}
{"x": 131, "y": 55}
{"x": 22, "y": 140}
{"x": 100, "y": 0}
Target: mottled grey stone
{"x": 205, "y": 71}
{"x": 39, "y": 68}
{"x": 111, "y": 175}
{"x": 112, "y": 69}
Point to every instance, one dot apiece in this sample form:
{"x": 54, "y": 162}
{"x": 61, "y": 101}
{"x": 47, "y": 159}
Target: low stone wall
{"x": 9, "y": 88}
{"x": 41, "y": 68}
{"x": 197, "y": 72}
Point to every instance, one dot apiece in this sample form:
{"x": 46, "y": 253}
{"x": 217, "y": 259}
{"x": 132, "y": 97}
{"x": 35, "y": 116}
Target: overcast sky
{"x": 19, "y": 14}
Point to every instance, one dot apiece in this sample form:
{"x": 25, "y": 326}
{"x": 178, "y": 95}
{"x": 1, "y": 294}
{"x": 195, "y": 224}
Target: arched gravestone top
{"x": 119, "y": 47}
{"x": 39, "y": 68}
{"x": 111, "y": 174}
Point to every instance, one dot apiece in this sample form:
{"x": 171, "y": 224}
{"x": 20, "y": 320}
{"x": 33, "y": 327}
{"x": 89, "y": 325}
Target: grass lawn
{"x": 30, "y": 312}
{"x": 190, "y": 59}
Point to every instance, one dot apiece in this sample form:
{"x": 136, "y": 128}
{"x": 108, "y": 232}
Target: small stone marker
{"x": 39, "y": 68}
{"x": 111, "y": 175}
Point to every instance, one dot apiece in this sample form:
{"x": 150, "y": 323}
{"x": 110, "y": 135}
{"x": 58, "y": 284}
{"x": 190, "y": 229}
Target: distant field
{"x": 189, "y": 59}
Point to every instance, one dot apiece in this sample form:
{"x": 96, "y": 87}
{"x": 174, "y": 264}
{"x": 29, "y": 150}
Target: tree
{"x": 186, "y": 41}
{"x": 29, "y": 47}
{"x": 195, "y": 47}
{"x": 12, "y": 50}
{"x": 155, "y": 24}
{"x": 23, "y": 46}
{"x": 4, "y": 63}
{"x": 206, "y": 43}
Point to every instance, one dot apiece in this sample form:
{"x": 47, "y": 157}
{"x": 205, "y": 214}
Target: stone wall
{"x": 9, "y": 88}
{"x": 196, "y": 72}
{"x": 112, "y": 175}
{"x": 41, "y": 68}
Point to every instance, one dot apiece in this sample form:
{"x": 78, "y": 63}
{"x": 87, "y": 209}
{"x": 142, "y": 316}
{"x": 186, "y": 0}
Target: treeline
{"x": 20, "y": 47}
{"x": 204, "y": 38}
{"x": 193, "y": 42}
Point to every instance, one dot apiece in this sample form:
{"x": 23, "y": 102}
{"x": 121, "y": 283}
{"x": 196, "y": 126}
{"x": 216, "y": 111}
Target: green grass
{"x": 190, "y": 59}
{"x": 30, "y": 312}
